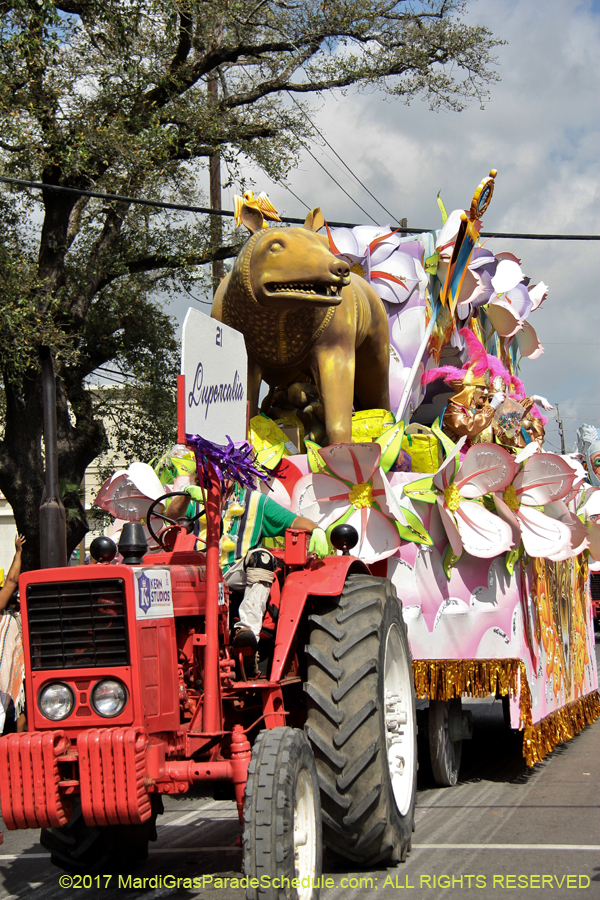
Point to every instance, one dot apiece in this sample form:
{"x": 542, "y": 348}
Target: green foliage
{"x": 72, "y": 497}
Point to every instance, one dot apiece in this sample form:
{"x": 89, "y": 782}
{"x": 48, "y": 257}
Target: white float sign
{"x": 215, "y": 363}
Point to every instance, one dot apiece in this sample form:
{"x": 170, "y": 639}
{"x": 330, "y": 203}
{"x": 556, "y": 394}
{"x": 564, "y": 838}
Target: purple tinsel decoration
{"x": 231, "y": 463}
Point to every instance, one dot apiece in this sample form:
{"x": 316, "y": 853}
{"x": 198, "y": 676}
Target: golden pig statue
{"x": 301, "y": 309}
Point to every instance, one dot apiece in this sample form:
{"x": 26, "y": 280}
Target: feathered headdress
{"x": 483, "y": 366}
{"x": 480, "y": 370}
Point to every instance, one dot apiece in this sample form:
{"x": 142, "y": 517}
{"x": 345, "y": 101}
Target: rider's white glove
{"x": 545, "y": 404}
{"x": 498, "y": 398}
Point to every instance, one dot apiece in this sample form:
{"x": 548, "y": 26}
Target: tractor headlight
{"x": 56, "y": 701}
{"x": 109, "y": 698}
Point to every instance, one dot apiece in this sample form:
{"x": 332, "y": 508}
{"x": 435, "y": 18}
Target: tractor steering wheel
{"x": 187, "y": 523}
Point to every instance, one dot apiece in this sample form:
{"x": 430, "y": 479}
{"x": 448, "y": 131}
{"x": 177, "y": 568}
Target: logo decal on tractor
{"x": 154, "y": 599}
{"x": 143, "y": 585}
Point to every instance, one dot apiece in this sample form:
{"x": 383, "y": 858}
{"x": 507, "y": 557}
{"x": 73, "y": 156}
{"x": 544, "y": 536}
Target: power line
{"x": 159, "y": 204}
{"x": 290, "y": 191}
{"x": 107, "y": 378}
{"x": 293, "y": 220}
{"x": 335, "y": 181}
{"x": 197, "y": 299}
{"x": 337, "y": 155}
{"x": 113, "y": 372}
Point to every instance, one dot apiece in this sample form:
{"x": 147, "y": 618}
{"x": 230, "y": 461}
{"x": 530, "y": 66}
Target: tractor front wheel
{"x": 77, "y": 847}
{"x": 282, "y": 818}
{"x": 361, "y": 722}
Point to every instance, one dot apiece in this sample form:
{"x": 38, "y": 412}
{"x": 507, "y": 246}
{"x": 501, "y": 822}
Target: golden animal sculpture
{"x": 300, "y": 308}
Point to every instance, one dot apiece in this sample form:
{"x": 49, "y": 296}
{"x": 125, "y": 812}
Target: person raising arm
{"x": 12, "y": 579}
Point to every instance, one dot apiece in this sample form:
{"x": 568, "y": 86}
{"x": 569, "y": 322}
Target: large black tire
{"x": 77, "y": 847}
{"x": 445, "y": 754}
{"x": 364, "y": 741}
{"x": 283, "y": 837}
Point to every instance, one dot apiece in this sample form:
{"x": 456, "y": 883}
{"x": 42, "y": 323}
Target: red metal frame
{"x": 115, "y": 764}
{"x": 181, "y": 438}
{"x": 29, "y": 780}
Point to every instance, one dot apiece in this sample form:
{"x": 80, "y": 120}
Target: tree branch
{"x": 10, "y": 149}
{"x": 152, "y": 263}
{"x": 186, "y": 25}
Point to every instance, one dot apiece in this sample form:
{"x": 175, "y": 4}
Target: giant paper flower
{"x": 543, "y": 479}
{"x": 468, "y": 524}
{"x": 352, "y": 488}
{"x": 511, "y": 304}
{"x": 128, "y": 493}
{"x": 497, "y": 282}
{"x": 393, "y": 265}
{"x": 388, "y": 261}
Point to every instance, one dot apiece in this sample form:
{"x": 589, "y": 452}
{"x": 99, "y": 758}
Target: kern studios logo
{"x": 144, "y": 596}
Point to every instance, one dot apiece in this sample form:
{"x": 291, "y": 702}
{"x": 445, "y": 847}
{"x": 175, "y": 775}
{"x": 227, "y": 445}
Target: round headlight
{"x": 109, "y": 697}
{"x": 56, "y": 701}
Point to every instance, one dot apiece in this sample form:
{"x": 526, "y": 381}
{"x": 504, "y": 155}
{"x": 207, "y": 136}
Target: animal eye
{"x": 276, "y": 246}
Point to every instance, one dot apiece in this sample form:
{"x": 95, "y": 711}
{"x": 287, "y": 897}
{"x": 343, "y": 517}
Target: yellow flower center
{"x": 452, "y": 497}
{"x": 510, "y": 498}
{"x": 358, "y": 270}
{"x": 361, "y": 495}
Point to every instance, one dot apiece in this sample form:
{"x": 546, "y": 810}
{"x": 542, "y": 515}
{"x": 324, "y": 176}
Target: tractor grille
{"x": 77, "y": 624}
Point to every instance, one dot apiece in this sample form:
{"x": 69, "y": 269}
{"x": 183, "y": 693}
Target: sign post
{"x": 212, "y": 402}
{"x": 214, "y": 364}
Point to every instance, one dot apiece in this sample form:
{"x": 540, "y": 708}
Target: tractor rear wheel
{"x": 361, "y": 722}
{"x": 283, "y": 838}
{"x": 77, "y": 847}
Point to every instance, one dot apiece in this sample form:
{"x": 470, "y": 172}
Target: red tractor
{"x": 133, "y": 691}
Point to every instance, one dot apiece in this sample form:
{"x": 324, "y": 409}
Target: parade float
{"x": 485, "y": 536}
{"x": 387, "y": 369}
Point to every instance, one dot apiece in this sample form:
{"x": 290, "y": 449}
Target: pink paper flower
{"x": 484, "y": 469}
{"x": 128, "y": 493}
{"x": 543, "y": 479}
{"x": 357, "y": 493}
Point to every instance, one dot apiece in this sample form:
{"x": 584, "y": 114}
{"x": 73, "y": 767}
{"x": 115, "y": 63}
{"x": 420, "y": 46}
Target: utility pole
{"x": 560, "y": 430}
{"x": 214, "y": 169}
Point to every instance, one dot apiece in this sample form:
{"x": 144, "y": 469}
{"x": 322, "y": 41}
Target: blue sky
{"x": 540, "y": 131}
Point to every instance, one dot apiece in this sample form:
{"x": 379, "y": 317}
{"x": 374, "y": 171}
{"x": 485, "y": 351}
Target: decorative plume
{"x": 231, "y": 463}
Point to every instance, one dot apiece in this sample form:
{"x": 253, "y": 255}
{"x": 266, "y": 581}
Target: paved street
{"x": 504, "y": 828}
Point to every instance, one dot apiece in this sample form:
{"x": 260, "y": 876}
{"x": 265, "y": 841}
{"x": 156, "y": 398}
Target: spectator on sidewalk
{"x": 12, "y": 662}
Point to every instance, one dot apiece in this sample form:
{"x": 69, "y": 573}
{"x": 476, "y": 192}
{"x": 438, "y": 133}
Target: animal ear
{"x": 314, "y": 220}
{"x": 252, "y": 218}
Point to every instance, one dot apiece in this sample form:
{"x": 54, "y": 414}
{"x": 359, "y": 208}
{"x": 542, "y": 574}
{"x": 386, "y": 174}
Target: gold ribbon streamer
{"x": 561, "y": 725}
{"x": 445, "y": 679}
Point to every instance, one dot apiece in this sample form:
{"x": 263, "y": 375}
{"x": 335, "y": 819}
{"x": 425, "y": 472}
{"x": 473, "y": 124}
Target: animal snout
{"x": 340, "y": 269}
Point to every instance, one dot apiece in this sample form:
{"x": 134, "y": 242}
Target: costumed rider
{"x": 248, "y": 517}
{"x": 489, "y": 404}
{"x": 588, "y": 444}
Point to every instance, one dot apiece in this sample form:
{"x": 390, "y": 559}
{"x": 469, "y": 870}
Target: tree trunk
{"x": 22, "y": 473}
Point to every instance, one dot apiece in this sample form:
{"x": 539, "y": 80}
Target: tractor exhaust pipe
{"x": 53, "y": 522}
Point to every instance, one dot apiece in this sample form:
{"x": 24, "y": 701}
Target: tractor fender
{"x": 325, "y": 578}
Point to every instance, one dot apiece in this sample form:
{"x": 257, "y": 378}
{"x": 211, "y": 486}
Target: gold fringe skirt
{"x": 444, "y": 679}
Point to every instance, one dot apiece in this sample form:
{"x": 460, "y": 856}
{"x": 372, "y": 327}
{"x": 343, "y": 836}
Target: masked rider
{"x": 248, "y": 517}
